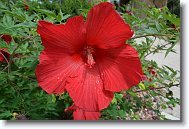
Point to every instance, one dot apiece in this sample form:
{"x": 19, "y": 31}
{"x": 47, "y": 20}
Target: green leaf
{"x": 53, "y": 98}
{"x": 173, "y": 19}
{"x": 133, "y": 94}
{"x": 47, "y": 12}
{"x": 66, "y": 17}
{"x": 16, "y": 13}
{"x": 122, "y": 113}
{"x": 3, "y": 44}
{"x": 25, "y": 25}
{"x": 171, "y": 69}
{"x": 11, "y": 47}
{"x": 5, "y": 114}
{"x": 151, "y": 31}
{"x": 158, "y": 27}
{"x": 7, "y": 21}
{"x": 1, "y": 101}
{"x": 2, "y": 6}
{"x": 114, "y": 100}
{"x": 141, "y": 86}
{"x": 169, "y": 49}
{"x": 164, "y": 106}
{"x": 153, "y": 93}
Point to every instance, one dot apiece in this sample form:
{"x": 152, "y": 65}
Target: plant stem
{"x": 8, "y": 63}
{"x": 4, "y": 57}
{"x": 11, "y": 56}
{"x": 157, "y": 88}
{"x": 147, "y": 35}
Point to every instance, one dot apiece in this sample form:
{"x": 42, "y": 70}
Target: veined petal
{"x": 87, "y": 91}
{"x": 79, "y": 114}
{"x": 68, "y": 37}
{"x": 120, "y": 68}
{"x": 105, "y": 28}
{"x": 53, "y": 71}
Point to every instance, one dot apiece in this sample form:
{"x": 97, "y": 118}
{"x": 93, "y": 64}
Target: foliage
{"x": 19, "y": 91}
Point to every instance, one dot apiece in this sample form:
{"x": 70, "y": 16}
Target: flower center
{"x": 88, "y": 52}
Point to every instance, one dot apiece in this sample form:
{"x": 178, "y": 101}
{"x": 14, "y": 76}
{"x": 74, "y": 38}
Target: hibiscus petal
{"x": 68, "y": 37}
{"x": 87, "y": 91}
{"x": 1, "y": 58}
{"x": 6, "y": 38}
{"x": 105, "y": 28}
{"x": 79, "y": 114}
{"x": 120, "y": 68}
{"x": 4, "y": 54}
{"x": 53, "y": 71}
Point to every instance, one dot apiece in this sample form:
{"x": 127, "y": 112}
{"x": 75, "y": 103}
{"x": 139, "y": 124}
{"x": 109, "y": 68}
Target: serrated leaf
{"x": 5, "y": 114}
{"x": 7, "y": 21}
{"x": 158, "y": 27}
{"x": 2, "y": 6}
{"x": 66, "y": 17}
{"x": 171, "y": 69}
{"x": 60, "y": 16}
{"x": 47, "y": 12}
{"x": 3, "y": 44}
{"x": 169, "y": 49}
{"x": 25, "y": 25}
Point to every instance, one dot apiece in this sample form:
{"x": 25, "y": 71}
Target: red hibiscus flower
{"x": 152, "y": 71}
{"x": 26, "y": 7}
{"x": 88, "y": 59}
{"x": 4, "y": 55}
{"x": 6, "y": 38}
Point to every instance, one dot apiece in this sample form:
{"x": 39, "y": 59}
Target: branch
{"x": 147, "y": 35}
{"x": 162, "y": 46}
{"x": 158, "y": 88}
